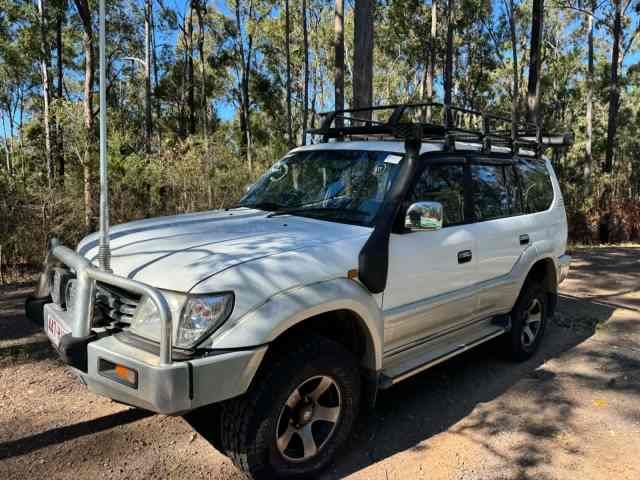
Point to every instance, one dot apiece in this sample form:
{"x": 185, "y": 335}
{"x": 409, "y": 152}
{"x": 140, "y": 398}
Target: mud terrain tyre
{"x": 298, "y": 413}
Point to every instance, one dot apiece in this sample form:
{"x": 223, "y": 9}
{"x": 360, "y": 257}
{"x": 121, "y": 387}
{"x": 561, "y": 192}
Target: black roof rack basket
{"x": 467, "y": 128}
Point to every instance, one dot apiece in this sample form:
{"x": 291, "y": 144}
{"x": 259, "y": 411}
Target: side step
{"x": 406, "y": 364}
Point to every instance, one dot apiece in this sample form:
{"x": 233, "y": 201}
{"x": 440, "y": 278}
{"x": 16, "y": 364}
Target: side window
{"x": 492, "y": 197}
{"x": 537, "y": 190}
{"x": 444, "y": 184}
{"x": 513, "y": 189}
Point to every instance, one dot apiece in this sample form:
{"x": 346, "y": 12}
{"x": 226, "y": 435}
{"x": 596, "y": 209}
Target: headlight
{"x": 201, "y": 316}
{"x": 195, "y": 317}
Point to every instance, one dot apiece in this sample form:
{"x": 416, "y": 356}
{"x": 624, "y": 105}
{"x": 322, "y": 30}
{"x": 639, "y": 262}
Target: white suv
{"x": 348, "y": 267}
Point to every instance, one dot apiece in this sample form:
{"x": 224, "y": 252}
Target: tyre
{"x": 528, "y": 322}
{"x": 298, "y": 413}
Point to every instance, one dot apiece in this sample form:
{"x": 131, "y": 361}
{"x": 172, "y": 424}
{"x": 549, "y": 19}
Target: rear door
{"x": 427, "y": 291}
{"x": 504, "y": 201}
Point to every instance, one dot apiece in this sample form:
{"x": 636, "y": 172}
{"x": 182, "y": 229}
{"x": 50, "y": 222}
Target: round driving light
{"x": 57, "y": 284}
{"x": 70, "y": 294}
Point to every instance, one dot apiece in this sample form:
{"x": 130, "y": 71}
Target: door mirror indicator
{"x": 423, "y": 216}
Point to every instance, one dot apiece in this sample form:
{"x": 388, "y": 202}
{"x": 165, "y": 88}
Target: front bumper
{"x": 167, "y": 389}
{"x": 163, "y": 384}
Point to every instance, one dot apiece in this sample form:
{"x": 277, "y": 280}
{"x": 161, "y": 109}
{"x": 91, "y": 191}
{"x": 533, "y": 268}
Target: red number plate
{"x": 55, "y": 331}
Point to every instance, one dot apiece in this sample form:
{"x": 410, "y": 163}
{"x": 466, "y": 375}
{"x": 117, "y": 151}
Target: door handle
{"x": 524, "y": 239}
{"x": 464, "y": 256}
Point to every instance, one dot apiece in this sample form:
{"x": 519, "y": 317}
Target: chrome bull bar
{"x": 86, "y": 276}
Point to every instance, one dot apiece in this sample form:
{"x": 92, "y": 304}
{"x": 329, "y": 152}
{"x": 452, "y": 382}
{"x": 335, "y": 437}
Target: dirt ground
{"x": 572, "y": 411}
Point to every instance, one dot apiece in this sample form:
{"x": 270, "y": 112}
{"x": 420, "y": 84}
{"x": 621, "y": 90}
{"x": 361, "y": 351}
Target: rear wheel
{"x": 298, "y": 413}
{"x": 528, "y": 322}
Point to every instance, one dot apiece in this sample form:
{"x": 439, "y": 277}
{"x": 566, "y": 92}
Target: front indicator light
{"x": 118, "y": 373}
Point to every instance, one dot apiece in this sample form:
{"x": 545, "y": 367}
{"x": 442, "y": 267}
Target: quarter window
{"x": 537, "y": 190}
{"x": 444, "y": 184}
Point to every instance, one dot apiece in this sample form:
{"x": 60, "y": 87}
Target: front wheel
{"x": 299, "y": 412}
{"x": 528, "y": 322}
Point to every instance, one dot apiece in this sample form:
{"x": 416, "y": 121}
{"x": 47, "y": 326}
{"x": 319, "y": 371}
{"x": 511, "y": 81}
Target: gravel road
{"x": 572, "y": 411}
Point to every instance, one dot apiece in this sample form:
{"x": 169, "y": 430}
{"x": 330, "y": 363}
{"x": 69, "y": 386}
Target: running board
{"x": 430, "y": 356}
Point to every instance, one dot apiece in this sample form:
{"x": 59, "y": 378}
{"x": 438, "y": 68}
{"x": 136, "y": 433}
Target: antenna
{"x": 104, "y": 252}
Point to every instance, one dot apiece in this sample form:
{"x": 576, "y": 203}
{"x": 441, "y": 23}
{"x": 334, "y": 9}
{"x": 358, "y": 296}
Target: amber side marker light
{"x": 118, "y": 373}
{"x": 352, "y": 274}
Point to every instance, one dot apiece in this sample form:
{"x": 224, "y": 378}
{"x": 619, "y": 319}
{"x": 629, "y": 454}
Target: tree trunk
{"x": 614, "y": 88}
{"x": 338, "y": 71}
{"x": 535, "y": 61}
{"x": 148, "y": 122}
{"x": 60, "y": 93}
{"x": 201, "y": 11}
{"x": 45, "y": 60}
{"x": 363, "y": 55}
{"x": 588, "y": 157}
{"x": 288, "y": 49}
{"x": 612, "y": 125}
{"x": 305, "y": 49}
{"x": 448, "y": 62}
{"x": 431, "y": 63}
{"x": 89, "y": 61}
{"x": 245, "y": 75}
{"x": 190, "y": 82}
{"x": 514, "y": 53}
{"x": 154, "y": 62}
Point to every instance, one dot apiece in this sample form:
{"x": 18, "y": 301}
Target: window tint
{"x": 444, "y": 184}
{"x": 537, "y": 191}
{"x": 492, "y": 196}
{"x": 513, "y": 190}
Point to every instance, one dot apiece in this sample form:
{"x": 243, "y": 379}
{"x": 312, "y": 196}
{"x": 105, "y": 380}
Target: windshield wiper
{"x": 269, "y": 206}
{"x": 293, "y": 211}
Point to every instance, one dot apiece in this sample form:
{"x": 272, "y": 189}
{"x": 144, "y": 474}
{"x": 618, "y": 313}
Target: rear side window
{"x": 537, "y": 190}
{"x": 445, "y": 184}
{"x": 493, "y": 194}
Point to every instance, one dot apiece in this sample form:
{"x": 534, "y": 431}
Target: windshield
{"x": 338, "y": 185}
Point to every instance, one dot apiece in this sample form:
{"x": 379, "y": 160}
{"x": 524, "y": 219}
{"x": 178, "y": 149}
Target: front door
{"x": 430, "y": 271}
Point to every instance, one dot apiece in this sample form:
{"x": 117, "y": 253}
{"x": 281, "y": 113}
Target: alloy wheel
{"x": 532, "y": 324}
{"x": 308, "y": 419}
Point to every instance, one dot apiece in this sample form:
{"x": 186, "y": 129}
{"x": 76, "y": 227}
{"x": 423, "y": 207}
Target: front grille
{"x": 115, "y": 303}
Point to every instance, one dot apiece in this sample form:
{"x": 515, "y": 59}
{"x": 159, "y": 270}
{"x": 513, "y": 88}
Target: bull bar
{"x": 82, "y": 310}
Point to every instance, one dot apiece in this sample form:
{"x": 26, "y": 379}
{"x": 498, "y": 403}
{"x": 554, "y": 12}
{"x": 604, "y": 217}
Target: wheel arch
{"x": 341, "y": 309}
{"x": 343, "y": 326}
{"x": 544, "y": 272}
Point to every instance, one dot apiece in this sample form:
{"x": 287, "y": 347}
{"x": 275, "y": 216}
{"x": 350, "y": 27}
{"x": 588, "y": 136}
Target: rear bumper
{"x": 563, "y": 266}
{"x": 168, "y": 389}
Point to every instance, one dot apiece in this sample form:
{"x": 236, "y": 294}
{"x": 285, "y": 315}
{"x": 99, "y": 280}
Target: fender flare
{"x": 269, "y": 320}
{"x": 541, "y": 250}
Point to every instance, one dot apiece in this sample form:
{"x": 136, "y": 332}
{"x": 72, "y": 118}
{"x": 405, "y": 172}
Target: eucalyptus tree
{"x": 338, "y": 69}
{"x": 535, "y": 61}
{"x": 84, "y": 12}
{"x": 364, "y": 12}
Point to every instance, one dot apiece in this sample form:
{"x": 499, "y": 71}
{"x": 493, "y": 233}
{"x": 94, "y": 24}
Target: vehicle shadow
{"x": 26, "y": 445}
{"x": 442, "y": 397}
{"x": 437, "y": 400}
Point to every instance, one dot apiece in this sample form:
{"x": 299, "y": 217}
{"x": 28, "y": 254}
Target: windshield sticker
{"x": 393, "y": 159}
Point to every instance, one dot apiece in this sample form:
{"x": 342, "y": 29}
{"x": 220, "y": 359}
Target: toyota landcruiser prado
{"x": 348, "y": 267}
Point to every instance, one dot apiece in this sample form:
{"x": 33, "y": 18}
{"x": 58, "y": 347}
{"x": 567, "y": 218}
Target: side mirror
{"x": 422, "y": 216}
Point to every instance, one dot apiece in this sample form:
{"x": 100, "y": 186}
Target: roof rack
{"x": 471, "y": 129}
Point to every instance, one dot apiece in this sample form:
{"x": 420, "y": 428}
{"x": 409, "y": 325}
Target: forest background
{"x": 204, "y": 95}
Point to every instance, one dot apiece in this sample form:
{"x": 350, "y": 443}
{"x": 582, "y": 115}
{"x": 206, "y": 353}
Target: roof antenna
{"x": 104, "y": 252}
